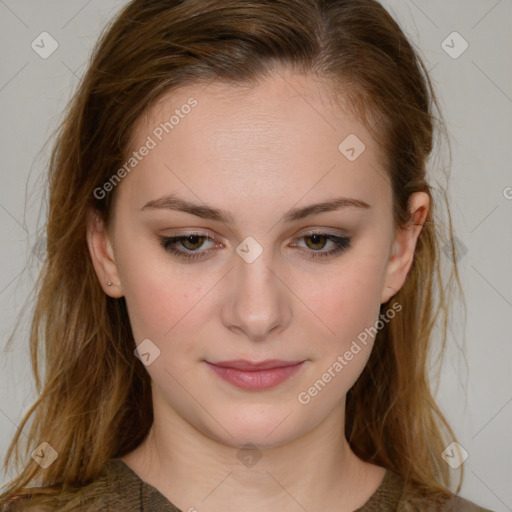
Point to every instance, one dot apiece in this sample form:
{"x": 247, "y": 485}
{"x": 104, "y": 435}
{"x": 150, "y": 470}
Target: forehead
{"x": 279, "y": 140}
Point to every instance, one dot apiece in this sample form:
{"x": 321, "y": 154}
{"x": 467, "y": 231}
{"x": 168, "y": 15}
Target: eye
{"x": 318, "y": 241}
{"x": 191, "y": 242}
{"x": 188, "y": 246}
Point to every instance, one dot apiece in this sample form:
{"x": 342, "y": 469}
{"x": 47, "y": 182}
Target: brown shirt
{"x": 120, "y": 489}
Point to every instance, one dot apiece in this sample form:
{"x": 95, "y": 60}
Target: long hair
{"x": 94, "y": 402}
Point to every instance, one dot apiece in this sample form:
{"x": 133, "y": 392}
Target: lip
{"x": 255, "y": 376}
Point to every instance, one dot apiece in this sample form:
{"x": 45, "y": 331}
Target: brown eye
{"x": 318, "y": 241}
{"x": 192, "y": 242}
{"x": 187, "y": 247}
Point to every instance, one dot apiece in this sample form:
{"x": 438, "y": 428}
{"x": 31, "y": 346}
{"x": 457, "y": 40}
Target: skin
{"x": 256, "y": 153}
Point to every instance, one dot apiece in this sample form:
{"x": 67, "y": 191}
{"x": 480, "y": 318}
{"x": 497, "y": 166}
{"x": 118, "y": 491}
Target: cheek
{"x": 348, "y": 305}
{"x": 348, "y": 300}
{"x": 160, "y": 299}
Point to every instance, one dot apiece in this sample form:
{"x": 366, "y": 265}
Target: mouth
{"x": 256, "y": 376}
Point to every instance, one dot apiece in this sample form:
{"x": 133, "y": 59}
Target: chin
{"x": 251, "y": 425}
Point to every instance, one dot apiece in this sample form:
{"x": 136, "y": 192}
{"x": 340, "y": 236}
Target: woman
{"x": 243, "y": 272}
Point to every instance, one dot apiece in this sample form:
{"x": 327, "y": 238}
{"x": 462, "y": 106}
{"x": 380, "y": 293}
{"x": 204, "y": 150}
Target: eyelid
{"x": 324, "y": 231}
{"x": 188, "y": 232}
{"x": 214, "y": 237}
{"x": 341, "y": 244}
{"x": 192, "y": 232}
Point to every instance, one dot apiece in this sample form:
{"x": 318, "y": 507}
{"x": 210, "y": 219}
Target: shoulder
{"x": 116, "y": 489}
{"x": 396, "y": 495}
{"x": 413, "y": 499}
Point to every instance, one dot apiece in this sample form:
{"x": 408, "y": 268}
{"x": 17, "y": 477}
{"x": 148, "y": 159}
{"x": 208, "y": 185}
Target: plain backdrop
{"x": 466, "y": 46}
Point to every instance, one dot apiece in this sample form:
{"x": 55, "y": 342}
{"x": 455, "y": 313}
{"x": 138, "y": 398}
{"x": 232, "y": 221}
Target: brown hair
{"x": 85, "y": 410}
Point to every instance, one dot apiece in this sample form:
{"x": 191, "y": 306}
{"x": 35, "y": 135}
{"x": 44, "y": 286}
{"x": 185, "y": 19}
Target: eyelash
{"x": 168, "y": 243}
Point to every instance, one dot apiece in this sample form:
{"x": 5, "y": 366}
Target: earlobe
{"x": 102, "y": 255}
{"x": 404, "y": 245}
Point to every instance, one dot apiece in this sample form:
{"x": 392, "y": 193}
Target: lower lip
{"x": 255, "y": 380}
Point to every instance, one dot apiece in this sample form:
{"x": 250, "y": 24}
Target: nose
{"x": 257, "y": 303}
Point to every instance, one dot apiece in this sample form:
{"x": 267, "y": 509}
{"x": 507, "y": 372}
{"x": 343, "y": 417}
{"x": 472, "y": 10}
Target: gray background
{"x": 475, "y": 90}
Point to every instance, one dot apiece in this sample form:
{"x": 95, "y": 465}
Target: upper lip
{"x": 243, "y": 364}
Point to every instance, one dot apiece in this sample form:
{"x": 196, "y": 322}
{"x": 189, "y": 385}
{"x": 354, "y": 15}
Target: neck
{"x": 317, "y": 471}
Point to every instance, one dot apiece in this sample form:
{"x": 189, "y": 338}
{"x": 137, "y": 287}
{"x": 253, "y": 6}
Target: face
{"x": 217, "y": 248}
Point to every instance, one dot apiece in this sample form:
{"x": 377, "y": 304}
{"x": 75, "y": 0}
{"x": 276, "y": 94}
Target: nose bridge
{"x": 259, "y": 302}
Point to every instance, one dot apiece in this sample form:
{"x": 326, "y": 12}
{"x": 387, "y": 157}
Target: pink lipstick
{"x": 255, "y": 376}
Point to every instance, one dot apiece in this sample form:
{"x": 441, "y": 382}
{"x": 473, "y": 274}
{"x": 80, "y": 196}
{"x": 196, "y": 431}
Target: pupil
{"x": 191, "y": 239}
{"x": 315, "y": 238}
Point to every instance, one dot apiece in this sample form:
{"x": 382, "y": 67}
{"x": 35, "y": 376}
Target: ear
{"x": 402, "y": 255}
{"x": 102, "y": 255}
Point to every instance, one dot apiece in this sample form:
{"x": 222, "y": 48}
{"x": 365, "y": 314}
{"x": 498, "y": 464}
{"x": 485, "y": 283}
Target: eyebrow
{"x": 173, "y": 202}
